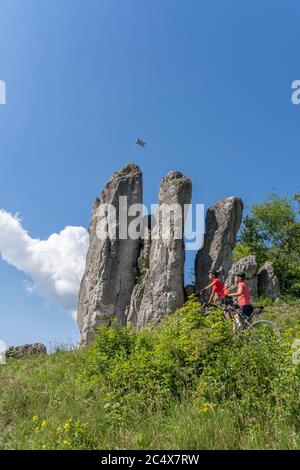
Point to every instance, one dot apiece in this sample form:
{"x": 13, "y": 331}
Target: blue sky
{"x": 206, "y": 83}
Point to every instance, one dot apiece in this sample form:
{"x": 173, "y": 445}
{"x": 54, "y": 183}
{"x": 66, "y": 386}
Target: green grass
{"x": 189, "y": 384}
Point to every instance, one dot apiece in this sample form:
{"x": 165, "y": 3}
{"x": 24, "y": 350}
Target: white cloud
{"x": 55, "y": 266}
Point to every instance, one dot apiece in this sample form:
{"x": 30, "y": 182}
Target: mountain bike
{"x": 241, "y": 322}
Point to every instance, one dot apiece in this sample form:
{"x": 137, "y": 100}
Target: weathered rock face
{"x": 25, "y": 350}
{"x": 223, "y": 221}
{"x": 145, "y": 245}
{"x": 268, "y": 285}
{"x": 248, "y": 265}
{"x": 134, "y": 307}
{"x": 262, "y": 282}
{"x": 162, "y": 289}
{"x": 111, "y": 265}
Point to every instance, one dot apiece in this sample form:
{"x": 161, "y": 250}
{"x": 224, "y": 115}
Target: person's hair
{"x": 214, "y": 273}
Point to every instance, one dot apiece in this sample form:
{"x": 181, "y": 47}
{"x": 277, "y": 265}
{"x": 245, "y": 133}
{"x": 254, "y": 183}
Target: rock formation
{"x": 162, "y": 289}
{"x": 25, "y": 350}
{"x": 134, "y": 307}
{"x": 248, "y": 265}
{"x": 139, "y": 280}
{"x": 223, "y": 221}
{"x": 145, "y": 245}
{"x": 268, "y": 285}
{"x": 111, "y": 264}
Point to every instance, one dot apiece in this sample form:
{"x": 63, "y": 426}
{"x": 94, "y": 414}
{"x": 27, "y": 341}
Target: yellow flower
{"x": 35, "y": 419}
{"x": 44, "y": 446}
{"x": 58, "y": 430}
{"x": 37, "y": 429}
{"x": 205, "y": 407}
{"x": 66, "y": 443}
{"x": 44, "y": 423}
{"x": 67, "y": 426}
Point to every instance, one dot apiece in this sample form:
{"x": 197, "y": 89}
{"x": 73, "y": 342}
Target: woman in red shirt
{"x": 216, "y": 286}
{"x": 243, "y": 295}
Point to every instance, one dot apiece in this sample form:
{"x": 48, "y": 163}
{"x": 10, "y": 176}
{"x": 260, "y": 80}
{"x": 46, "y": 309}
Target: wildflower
{"x": 37, "y": 430}
{"x": 35, "y": 419}
{"x": 289, "y": 330}
{"x": 44, "y": 423}
{"x": 58, "y": 429}
{"x": 67, "y": 426}
{"x": 205, "y": 407}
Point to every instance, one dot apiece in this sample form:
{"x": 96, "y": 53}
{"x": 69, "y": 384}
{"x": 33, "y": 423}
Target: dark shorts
{"x": 226, "y": 301}
{"x": 246, "y": 310}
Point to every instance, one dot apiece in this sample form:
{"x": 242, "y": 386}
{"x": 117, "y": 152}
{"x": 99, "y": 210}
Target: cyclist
{"x": 243, "y": 295}
{"x": 216, "y": 286}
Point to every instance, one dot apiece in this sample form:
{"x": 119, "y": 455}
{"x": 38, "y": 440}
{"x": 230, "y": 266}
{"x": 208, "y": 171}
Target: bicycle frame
{"x": 233, "y": 312}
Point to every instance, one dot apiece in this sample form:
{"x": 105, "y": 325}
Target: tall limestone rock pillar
{"x": 111, "y": 264}
{"x": 223, "y": 221}
{"x": 162, "y": 289}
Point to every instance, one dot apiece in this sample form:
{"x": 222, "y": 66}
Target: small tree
{"x": 272, "y": 231}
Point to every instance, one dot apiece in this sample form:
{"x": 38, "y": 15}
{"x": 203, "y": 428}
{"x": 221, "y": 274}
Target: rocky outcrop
{"x": 262, "y": 282}
{"x": 162, "y": 288}
{"x": 134, "y": 307}
{"x": 248, "y": 265}
{"x": 111, "y": 264}
{"x": 139, "y": 280}
{"x": 223, "y": 221}
{"x": 145, "y": 245}
{"x": 268, "y": 285}
{"x": 25, "y": 350}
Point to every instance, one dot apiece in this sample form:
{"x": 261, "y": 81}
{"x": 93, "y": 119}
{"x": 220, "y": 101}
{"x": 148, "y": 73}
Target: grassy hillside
{"x": 189, "y": 384}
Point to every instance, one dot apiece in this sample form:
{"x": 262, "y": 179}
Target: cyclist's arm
{"x": 237, "y": 293}
{"x": 207, "y": 287}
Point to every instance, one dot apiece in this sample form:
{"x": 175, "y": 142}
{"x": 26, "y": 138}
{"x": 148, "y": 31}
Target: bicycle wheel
{"x": 265, "y": 325}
